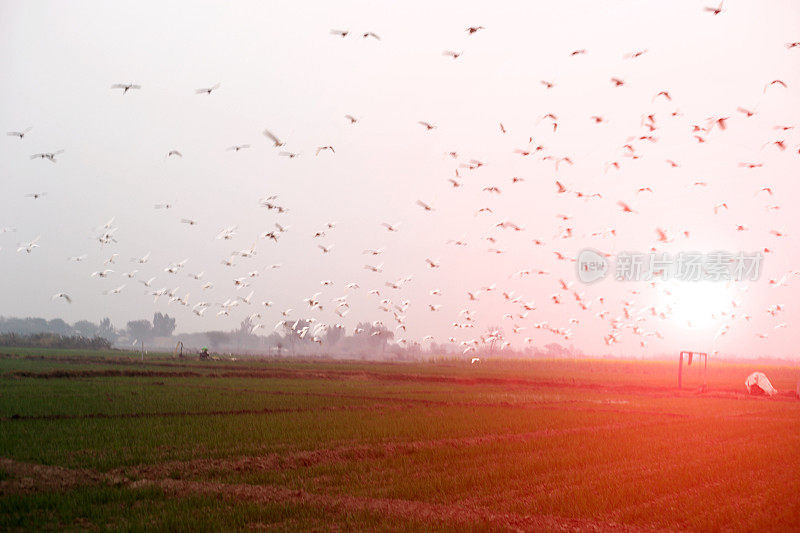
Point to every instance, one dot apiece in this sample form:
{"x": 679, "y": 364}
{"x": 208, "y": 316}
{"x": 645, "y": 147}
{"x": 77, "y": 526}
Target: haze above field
{"x": 279, "y": 67}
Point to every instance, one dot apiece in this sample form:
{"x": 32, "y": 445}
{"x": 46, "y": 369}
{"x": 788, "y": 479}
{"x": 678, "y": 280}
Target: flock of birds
{"x": 503, "y": 332}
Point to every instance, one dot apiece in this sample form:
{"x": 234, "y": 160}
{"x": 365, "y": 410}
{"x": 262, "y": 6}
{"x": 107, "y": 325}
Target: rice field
{"x": 105, "y": 441}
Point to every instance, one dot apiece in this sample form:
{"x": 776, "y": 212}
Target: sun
{"x": 696, "y": 304}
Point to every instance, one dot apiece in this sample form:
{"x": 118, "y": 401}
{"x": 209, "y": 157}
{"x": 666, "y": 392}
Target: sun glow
{"x": 696, "y": 304}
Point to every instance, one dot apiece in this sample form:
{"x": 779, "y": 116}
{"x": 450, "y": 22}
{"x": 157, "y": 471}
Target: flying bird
{"x": 207, "y": 90}
{"x": 714, "y": 10}
{"x": 29, "y": 246}
{"x": 20, "y": 134}
{"x": 775, "y": 82}
{"x": 424, "y": 206}
{"x": 634, "y": 55}
{"x": 125, "y": 87}
{"x": 665, "y": 94}
{"x": 276, "y": 142}
{"x": 51, "y": 156}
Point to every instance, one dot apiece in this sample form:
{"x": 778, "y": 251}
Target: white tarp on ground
{"x": 758, "y": 380}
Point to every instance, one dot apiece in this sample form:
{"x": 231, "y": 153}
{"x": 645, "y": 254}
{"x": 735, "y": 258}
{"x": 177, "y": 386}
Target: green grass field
{"x": 104, "y": 441}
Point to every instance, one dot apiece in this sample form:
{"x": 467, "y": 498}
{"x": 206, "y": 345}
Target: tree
{"x": 107, "y": 330}
{"x": 554, "y": 349}
{"x": 377, "y": 336}
{"x": 217, "y": 338}
{"x": 59, "y": 327}
{"x": 493, "y": 335}
{"x": 333, "y": 335}
{"x": 141, "y": 330}
{"x": 244, "y": 335}
{"x": 163, "y": 325}
{"x": 86, "y": 329}
{"x": 296, "y": 333}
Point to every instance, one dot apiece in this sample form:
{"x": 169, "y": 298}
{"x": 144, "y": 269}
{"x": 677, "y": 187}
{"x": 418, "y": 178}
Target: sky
{"x": 279, "y": 67}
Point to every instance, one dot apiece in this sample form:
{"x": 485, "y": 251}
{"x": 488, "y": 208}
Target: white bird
{"x": 276, "y": 142}
{"x": 432, "y": 263}
{"x": 238, "y": 147}
{"x": 20, "y": 134}
{"x": 126, "y": 87}
{"x": 28, "y": 247}
{"x": 142, "y": 260}
{"x": 51, "y": 156}
{"x": 115, "y": 291}
{"x": 424, "y": 206}
{"x": 207, "y": 90}
{"x": 63, "y": 295}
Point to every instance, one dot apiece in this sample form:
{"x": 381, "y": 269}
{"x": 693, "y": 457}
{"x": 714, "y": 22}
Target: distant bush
{"x": 52, "y": 340}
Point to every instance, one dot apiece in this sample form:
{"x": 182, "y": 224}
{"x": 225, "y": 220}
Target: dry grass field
{"x": 104, "y": 441}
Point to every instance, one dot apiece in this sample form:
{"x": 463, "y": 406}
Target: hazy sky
{"x": 280, "y": 68}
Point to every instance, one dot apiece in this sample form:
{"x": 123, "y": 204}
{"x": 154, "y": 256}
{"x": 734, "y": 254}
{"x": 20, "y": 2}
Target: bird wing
{"x": 270, "y": 135}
